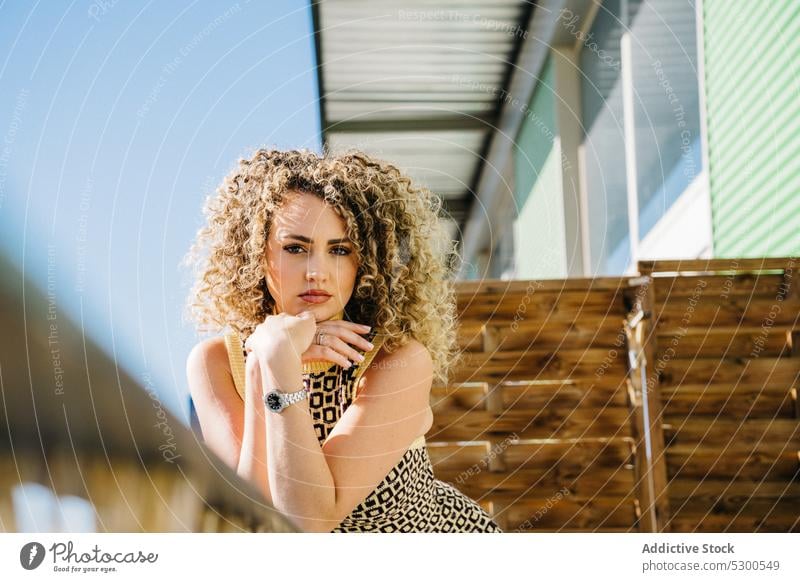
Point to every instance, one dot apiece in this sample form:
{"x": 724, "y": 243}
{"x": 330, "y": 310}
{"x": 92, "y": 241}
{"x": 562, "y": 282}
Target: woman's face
{"x": 308, "y": 250}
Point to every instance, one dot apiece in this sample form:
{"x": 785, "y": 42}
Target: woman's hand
{"x": 336, "y": 337}
{"x": 284, "y": 336}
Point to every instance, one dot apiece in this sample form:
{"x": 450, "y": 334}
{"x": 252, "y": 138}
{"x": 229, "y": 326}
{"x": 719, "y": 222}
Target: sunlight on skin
{"x": 294, "y": 266}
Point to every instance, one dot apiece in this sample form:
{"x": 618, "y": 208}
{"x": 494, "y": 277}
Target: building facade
{"x": 655, "y": 129}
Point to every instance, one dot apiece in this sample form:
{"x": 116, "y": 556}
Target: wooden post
{"x": 650, "y": 463}
{"x": 657, "y": 465}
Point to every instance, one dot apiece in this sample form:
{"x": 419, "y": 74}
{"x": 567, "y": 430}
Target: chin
{"x": 321, "y": 312}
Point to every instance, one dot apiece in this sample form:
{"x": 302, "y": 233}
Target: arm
{"x": 230, "y": 429}
{"x": 318, "y": 486}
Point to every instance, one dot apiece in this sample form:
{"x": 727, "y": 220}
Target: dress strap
{"x": 233, "y": 343}
{"x": 362, "y": 366}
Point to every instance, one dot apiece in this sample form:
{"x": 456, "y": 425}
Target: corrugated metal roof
{"x": 418, "y": 83}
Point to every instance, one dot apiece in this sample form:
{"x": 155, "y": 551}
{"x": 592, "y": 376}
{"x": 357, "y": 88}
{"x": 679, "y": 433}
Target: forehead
{"x": 306, "y": 214}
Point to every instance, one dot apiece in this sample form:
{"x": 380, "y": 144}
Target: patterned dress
{"x": 409, "y": 499}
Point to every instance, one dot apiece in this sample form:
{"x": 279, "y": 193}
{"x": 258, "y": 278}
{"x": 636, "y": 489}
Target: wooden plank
{"x": 728, "y": 342}
{"x": 451, "y": 425}
{"x": 752, "y": 516}
{"x": 742, "y": 401}
{"x": 715, "y": 265}
{"x": 735, "y": 434}
{"x": 568, "y": 512}
{"x": 712, "y": 524}
{"x": 459, "y": 458}
{"x": 605, "y": 482}
{"x": 506, "y": 334}
{"x": 583, "y": 468}
{"x": 531, "y": 396}
{"x": 573, "y": 335}
{"x": 731, "y": 312}
{"x": 566, "y": 396}
{"x": 538, "y": 364}
{"x": 749, "y": 285}
{"x": 710, "y": 490}
{"x": 557, "y": 298}
{"x": 459, "y": 397}
{"x": 760, "y": 463}
{"x": 502, "y": 286}
{"x": 541, "y": 308}
{"x": 570, "y": 457}
{"x": 781, "y": 371}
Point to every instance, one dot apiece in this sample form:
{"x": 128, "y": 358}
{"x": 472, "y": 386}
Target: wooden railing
{"x": 74, "y": 422}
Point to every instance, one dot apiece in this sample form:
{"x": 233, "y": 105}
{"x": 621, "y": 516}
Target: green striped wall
{"x": 752, "y": 83}
{"x": 540, "y": 243}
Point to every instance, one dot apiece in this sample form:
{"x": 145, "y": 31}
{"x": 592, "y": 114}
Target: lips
{"x": 318, "y": 292}
{"x": 315, "y": 296}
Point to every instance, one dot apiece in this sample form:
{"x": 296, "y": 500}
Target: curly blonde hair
{"x": 403, "y": 286}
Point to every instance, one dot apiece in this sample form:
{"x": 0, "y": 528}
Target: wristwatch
{"x": 277, "y": 401}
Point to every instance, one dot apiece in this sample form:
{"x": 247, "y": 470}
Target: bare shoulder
{"x": 412, "y": 353}
{"x": 209, "y": 352}
{"x": 207, "y": 364}
{"x": 411, "y": 360}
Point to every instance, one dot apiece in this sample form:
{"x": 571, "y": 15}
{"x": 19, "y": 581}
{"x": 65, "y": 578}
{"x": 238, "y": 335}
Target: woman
{"x": 332, "y": 272}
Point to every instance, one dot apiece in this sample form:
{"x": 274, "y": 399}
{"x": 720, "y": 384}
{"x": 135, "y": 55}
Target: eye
{"x": 345, "y": 250}
{"x": 289, "y": 248}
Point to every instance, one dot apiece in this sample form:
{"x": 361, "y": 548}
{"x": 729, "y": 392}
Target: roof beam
{"x": 458, "y": 122}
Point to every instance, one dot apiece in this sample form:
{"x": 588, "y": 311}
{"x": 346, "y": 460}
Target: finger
{"x": 349, "y": 325}
{"x": 344, "y": 349}
{"x": 333, "y": 356}
{"x": 349, "y": 336}
{"x": 318, "y": 353}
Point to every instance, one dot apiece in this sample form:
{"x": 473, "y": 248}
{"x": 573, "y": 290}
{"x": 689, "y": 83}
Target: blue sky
{"x": 116, "y": 120}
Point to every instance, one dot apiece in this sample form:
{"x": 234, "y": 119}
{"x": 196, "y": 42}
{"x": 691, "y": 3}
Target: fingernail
{"x": 366, "y": 327}
{"x": 360, "y": 358}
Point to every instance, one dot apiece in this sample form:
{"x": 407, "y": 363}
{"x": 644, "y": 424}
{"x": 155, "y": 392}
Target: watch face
{"x": 273, "y": 401}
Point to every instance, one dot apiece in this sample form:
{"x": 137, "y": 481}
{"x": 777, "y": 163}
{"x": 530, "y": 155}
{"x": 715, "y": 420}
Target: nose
{"x": 316, "y": 269}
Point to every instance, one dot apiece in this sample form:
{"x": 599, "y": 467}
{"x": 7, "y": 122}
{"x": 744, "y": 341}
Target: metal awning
{"x": 419, "y": 84}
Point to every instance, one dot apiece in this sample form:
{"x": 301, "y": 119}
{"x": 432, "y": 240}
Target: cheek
{"x": 274, "y": 271}
{"x": 349, "y": 273}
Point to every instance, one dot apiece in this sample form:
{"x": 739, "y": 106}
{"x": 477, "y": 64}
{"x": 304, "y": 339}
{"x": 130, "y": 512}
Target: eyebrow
{"x": 305, "y": 239}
